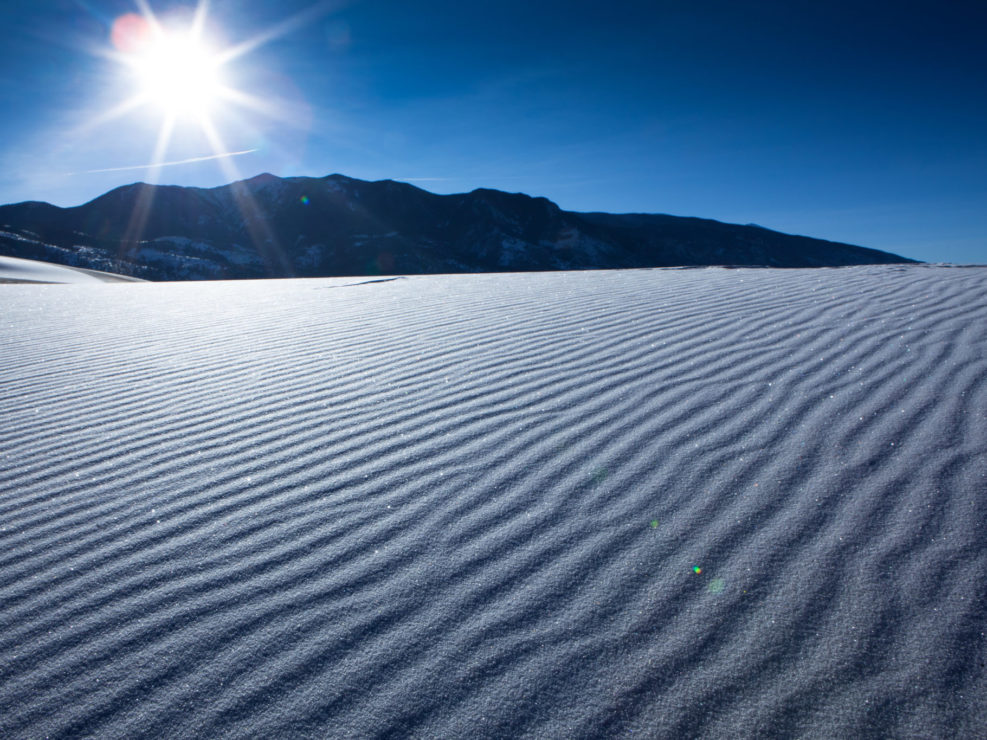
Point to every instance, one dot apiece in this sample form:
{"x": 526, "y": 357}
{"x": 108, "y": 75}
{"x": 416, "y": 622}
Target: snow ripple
{"x": 476, "y": 506}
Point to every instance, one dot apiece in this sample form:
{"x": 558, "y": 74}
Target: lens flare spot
{"x": 304, "y": 200}
{"x": 696, "y": 569}
{"x": 130, "y": 33}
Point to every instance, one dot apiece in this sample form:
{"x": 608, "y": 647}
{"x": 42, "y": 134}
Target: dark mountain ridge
{"x": 335, "y": 225}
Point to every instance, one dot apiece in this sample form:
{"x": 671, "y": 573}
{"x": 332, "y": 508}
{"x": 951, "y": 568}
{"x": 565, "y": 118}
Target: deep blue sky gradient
{"x": 853, "y": 121}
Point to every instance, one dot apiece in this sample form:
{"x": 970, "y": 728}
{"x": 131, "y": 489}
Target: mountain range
{"x": 268, "y": 226}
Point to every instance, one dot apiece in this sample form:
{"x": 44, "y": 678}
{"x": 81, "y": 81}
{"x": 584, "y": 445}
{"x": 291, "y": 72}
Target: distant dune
{"x": 15, "y": 270}
{"x": 662, "y": 503}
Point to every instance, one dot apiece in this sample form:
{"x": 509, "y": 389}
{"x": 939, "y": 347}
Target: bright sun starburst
{"x": 178, "y": 70}
{"x": 180, "y": 74}
{"x": 175, "y": 69}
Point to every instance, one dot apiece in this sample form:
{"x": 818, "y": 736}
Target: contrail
{"x": 224, "y": 155}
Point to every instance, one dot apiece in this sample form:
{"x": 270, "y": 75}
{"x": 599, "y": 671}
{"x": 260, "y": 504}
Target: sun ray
{"x": 295, "y": 22}
{"x": 161, "y": 146}
{"x": 216, "y": 144}
{"x": 199, "y": 18}
{"x": 118, "y": 111}
{"x": 252, "y": 103}
{"x": 254, "y": 219}
{"x": 148, "y": 14}
{"x": 145, "y": 198}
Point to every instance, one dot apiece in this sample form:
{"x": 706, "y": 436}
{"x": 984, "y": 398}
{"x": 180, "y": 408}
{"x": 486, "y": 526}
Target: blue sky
{"x": 853, "y": 121}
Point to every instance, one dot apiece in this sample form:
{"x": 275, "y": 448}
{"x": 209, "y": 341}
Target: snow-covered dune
{"x": 17, "y": 270}
{"x": 669, "y": 503}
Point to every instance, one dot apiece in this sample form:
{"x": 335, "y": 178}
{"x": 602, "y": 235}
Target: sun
{"x": 180, "y": 74}
{"x": 175, "y": 70}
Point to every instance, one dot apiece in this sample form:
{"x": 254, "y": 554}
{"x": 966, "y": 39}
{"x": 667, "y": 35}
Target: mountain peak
{"x": 264, "y": 178}
{"x": 335, "y": 176}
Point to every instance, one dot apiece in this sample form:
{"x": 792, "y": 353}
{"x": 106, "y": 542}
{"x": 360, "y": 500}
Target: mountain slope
{"x": 272, "y": 227}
